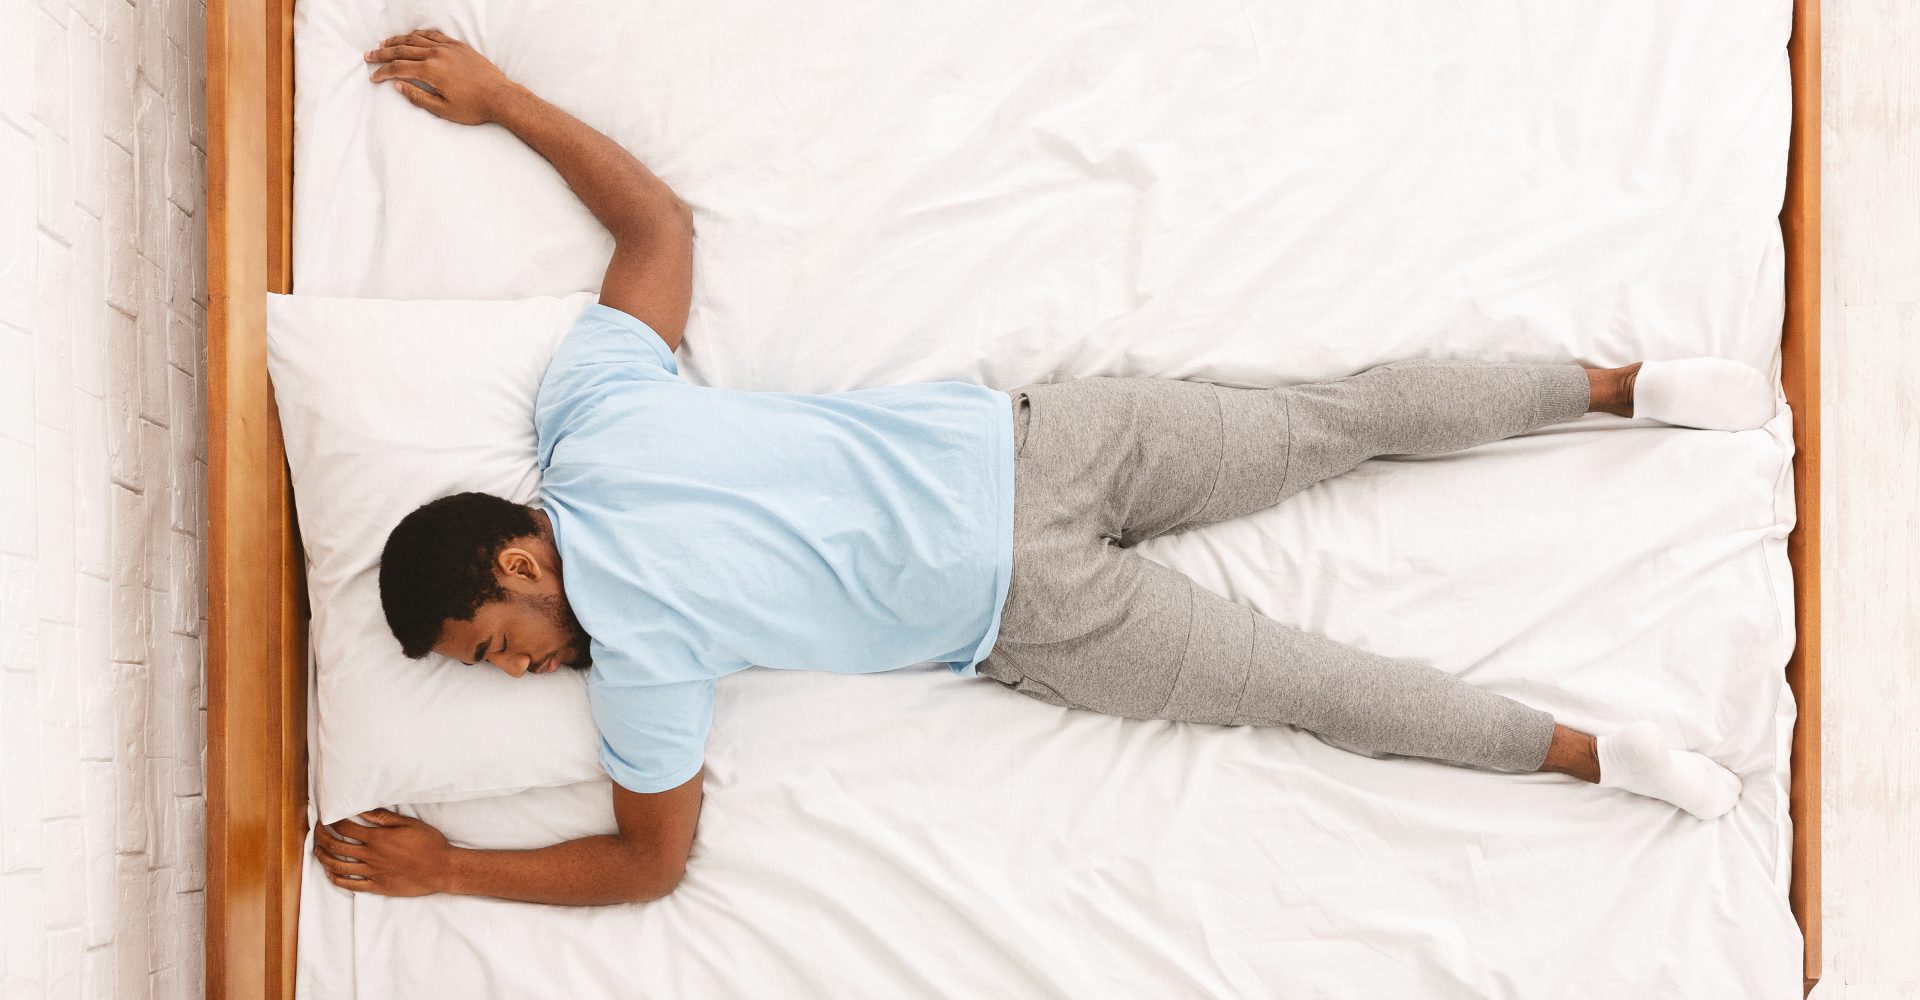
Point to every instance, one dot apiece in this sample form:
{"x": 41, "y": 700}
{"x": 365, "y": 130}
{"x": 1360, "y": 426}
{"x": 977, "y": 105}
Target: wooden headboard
{"x": 256, "y": 613}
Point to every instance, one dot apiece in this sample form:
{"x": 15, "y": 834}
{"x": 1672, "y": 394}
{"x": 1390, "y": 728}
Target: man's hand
{"x": 465, "y": 87}
{"x": 397, "y": 856}
{"x": 651, "y": 274}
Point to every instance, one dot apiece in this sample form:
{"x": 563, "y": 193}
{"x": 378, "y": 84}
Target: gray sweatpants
{"x": 1104, "y": 463}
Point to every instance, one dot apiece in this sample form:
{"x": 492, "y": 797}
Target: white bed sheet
{"x": 1255, "y": 195}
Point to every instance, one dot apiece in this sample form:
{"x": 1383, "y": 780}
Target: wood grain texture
{"x": 1800, "y": 379}
{"x": 239, "y": 620}
{"x": 256, "y": 734}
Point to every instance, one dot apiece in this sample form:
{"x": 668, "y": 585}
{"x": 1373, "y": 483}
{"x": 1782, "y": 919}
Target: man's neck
{"x": 543, "y": 533}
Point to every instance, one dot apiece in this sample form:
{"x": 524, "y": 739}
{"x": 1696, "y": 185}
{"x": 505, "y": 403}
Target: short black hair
{"x": 437, "y": 566}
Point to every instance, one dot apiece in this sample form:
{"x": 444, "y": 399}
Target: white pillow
{"x": 384, "y": 406}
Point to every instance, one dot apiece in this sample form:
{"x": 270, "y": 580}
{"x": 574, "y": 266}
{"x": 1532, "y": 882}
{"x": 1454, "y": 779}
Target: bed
{"x": 1081, "y": 855}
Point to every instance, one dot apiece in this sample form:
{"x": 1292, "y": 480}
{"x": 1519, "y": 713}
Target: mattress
{"x": 1007, "y": 192}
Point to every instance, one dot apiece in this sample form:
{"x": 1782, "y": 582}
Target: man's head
{"x": 477, "y": 578}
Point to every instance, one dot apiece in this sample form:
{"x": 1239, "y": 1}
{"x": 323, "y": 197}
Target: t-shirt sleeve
{"x": 603, "y": 345}
{"x": 604, "y": 335}
{"x": 653, "y": 737}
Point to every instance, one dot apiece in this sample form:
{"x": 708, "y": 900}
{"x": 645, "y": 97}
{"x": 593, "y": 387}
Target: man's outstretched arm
{"x": 651, "y": 275}
{"x": 401, "y": 856}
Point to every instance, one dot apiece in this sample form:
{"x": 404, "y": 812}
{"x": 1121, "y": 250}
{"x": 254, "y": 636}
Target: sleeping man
{"x": 684, "y": 533}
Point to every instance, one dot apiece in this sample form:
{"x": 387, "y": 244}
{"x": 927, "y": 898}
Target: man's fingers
{"x": 324, "y": 836}
{"x": 386, "y": 817}
{"x": 425, "y": 100}
{"x": 332, "y": 860}
{"x": 404, "y": 67}
{"x": 343, "y": 830}
{"x": 420, "y": 98}
{"x": 389, "y": 53}
{"x": 353, "y": 884}
{"x": 435, "y": 35}
{"x": 335, "y": 863}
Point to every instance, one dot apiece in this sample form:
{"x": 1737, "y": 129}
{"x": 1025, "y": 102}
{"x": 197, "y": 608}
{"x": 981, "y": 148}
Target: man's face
{"x": 530, "y": 631}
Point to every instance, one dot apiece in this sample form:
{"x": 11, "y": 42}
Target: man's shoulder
{"x": 603, "y": 335}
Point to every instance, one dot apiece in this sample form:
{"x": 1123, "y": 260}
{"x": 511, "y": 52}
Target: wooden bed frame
{"x": 256, "y": 613}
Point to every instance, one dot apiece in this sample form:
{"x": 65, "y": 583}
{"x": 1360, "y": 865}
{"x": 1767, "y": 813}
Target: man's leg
{"x": 1166, "y": 455}
{"x": 1275, "y": 443}
{"x": 1108, "y": 630}
{"x": 1092, "y": 626}
{"x": 1101, "y": 628}
{"x": 1611, "y": 389}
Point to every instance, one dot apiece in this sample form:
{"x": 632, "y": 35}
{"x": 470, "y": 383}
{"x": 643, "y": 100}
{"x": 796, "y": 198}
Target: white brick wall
{"x": 102, "y": 475}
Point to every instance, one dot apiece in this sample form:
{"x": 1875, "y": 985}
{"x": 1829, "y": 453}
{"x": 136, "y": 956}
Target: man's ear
{"x": 516, "y": 563}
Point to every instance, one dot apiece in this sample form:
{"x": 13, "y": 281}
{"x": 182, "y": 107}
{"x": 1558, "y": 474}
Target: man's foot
{"x": 1709, "y": 393}
{"x": 1637, "y": 759}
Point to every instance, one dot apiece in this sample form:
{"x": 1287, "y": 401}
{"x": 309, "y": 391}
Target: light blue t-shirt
{"x": 705, "y": 530}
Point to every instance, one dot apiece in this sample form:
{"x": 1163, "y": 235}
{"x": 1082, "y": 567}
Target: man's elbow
{"x": 651, "y": 880}
{"x": 681, "y": 215}
{"x": 669, "y": 221}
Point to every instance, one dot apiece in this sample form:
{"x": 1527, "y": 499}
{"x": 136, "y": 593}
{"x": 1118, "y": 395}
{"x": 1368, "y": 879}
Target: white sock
{"x": 1711, "y": 393}
{"x": 1637, "y": 759}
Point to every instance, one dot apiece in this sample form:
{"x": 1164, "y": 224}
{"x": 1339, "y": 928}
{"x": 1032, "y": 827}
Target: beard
{"x": 560, "y": 614}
